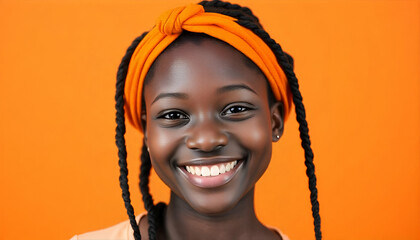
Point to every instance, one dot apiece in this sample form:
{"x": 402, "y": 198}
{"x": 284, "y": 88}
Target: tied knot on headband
{"x": 171, "y": 21}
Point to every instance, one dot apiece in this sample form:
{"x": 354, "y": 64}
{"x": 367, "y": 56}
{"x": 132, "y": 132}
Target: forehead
{"x": 201, "y": 67}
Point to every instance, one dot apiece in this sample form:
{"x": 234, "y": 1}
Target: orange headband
{"x": 193, "y": 18}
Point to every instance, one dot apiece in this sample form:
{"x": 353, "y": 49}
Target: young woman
{"x": 210, "y": 90}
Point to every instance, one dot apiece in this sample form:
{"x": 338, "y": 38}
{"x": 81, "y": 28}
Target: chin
{"x": 217, "y": 202}
{"x": 213, "y": 208}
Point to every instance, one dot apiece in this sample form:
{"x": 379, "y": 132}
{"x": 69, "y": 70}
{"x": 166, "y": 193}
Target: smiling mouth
{"x": 211, "y": 175}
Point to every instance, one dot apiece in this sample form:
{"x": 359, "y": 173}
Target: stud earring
{"x": 277, "y": 136}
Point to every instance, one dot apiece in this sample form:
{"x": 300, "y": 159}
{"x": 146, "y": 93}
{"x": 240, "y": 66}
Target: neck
{"x": 240, "y": 222}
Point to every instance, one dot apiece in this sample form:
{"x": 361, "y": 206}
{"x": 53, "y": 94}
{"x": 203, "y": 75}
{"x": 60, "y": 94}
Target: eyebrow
{"x": 171, "y": 95}
{"x": 229, "y": 88}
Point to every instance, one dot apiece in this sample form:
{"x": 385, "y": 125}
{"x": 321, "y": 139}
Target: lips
{"x": 210, "y": 173}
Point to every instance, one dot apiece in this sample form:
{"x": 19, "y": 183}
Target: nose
{"x": 206, "y": 137}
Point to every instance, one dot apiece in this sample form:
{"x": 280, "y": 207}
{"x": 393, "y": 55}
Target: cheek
{"x": 257, "y": 135}
{"x": 162, "y": 146}
{"x": 257, "y": 139}
{"x": 161, "y": 141}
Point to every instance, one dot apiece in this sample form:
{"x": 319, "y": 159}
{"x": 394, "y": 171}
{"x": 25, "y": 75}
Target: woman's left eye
{"x": 237, "y": 111}
{"x": 234, "y": 109}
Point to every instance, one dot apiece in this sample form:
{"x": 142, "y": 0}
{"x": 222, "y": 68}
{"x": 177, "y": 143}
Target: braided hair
{"x": 247, "y": 19}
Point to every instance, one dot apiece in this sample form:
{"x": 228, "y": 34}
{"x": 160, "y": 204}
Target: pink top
{"x": 123, "y": 231}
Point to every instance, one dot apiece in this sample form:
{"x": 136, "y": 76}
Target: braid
{"x": 303, "y": 125}
{"x": 306, "y": 143}
{"x": 120, "y": 132}
{"x": 154, "y": 212}
{"x": 286, "y": 62}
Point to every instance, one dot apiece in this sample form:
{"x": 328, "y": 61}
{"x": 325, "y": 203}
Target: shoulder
{"x": 276, "y": 230}
{"x": 120, "y": 231}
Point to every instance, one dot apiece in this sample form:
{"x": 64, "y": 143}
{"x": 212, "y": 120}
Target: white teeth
{"x": 197, "y": 171}
{"x": 222, "y": 168}
{"x": 228, "y": 167}
{"x": 213, "y": 170}
{"x": 205, "y": 171}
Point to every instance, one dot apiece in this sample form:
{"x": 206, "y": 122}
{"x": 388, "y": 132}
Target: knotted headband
{"x": 193, "y": 18}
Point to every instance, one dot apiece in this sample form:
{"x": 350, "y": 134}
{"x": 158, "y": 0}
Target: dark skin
{"x": 205, "y": 104}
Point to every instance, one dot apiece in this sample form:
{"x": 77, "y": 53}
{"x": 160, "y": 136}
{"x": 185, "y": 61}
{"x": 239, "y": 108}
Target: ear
{"x": 277, "y": 120}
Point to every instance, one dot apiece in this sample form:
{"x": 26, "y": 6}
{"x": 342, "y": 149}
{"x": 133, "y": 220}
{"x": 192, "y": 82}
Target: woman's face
{"x": 209, "y": 126}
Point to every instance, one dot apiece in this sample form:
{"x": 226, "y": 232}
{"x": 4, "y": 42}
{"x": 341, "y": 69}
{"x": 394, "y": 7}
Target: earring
{"x": 277, "y": 136}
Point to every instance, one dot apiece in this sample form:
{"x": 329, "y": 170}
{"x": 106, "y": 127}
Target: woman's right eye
{"x": 174, "y": 115}
{"x": 172, "y": 118}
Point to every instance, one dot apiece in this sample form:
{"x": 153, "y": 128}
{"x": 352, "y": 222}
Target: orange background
{"x": 358, "y": 66}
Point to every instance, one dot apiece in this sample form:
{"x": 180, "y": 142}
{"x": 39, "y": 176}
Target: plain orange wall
{"x": 358, "y": 66}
